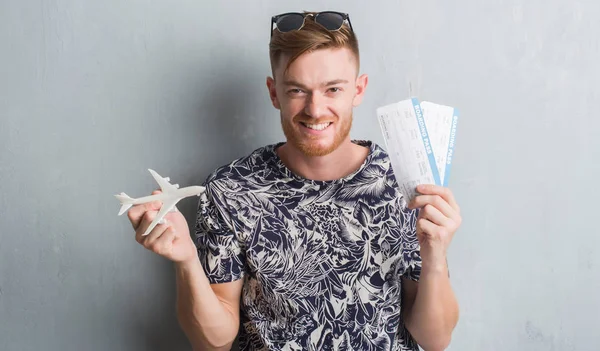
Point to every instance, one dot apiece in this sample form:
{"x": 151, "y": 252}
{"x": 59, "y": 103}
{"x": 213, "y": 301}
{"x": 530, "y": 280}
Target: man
{"x": 307, "y": 244}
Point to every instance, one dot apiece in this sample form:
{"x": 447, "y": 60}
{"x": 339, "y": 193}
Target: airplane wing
{"x": 166, "y": 207}
{"x": 164, "y": 184}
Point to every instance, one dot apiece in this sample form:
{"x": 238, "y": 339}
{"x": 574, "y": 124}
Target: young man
{"x": 307, "y": 244}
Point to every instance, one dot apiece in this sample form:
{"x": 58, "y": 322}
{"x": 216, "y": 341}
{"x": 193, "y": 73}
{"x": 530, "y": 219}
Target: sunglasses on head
{"x": 287, "y": 22}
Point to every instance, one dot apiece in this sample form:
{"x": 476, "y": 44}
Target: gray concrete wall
{"x": 92, "y": 93}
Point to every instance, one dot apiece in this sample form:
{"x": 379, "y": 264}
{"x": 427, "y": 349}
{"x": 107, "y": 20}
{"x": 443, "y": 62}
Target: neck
{"x": 344, "y": 160}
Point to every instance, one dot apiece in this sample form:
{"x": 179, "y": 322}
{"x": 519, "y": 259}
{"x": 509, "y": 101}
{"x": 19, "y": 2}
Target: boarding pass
{"x": 420, "y": 138}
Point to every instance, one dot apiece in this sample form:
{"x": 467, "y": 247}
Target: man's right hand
{"x": 171, "y": 240}
{"x": 209, "y": 314}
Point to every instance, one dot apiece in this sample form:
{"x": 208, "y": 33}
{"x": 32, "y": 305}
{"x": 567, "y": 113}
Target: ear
{"x": 273, "y": 93}
{"x": 361, "y": 86}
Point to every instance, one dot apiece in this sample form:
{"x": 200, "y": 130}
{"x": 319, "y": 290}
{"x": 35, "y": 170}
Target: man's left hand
{"x": 439, "y": 218}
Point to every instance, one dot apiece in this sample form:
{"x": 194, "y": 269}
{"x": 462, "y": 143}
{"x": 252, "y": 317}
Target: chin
{"x": 316, "y": 150}
{"x": 312, "y": 147}
{"x": 316, "y": 146}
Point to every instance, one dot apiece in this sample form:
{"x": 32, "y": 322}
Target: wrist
{"x": 187, "y": 264}
{"x": 437, "y": 269}
{"x": 187, "y": 256}
{"x": 437, "y": 264}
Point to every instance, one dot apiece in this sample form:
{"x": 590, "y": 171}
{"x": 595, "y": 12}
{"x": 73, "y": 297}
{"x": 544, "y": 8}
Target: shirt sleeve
{"x": 219, "y": 249}
{"x": 413, "y": 271}
{"x": 413, "y": 251}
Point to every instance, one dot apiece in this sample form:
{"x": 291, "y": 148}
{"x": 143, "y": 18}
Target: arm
{"x": 429, "y": 308}
{"x": 209, "y": 315}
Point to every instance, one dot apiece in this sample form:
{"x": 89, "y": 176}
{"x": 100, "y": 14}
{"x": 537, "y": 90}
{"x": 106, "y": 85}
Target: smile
{"x": 319, "y": 126}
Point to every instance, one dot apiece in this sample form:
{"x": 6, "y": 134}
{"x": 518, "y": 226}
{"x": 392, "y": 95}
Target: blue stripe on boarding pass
{"x": 451, "y": 143}
{"x": 426, "y": 141}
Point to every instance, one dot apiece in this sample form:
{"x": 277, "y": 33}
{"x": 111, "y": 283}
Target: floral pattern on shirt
{"x": 322, "y": 260}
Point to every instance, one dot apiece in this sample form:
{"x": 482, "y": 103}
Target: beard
{"x": 313, "y": 145}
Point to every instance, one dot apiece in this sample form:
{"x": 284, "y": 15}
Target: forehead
{"x": 318, "y": 66}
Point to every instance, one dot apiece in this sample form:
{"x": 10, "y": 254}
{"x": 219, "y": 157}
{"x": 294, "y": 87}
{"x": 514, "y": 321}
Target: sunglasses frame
{"x": 345, "y": 17}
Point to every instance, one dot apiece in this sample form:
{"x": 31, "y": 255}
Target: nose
{"x": 315, "y": 106}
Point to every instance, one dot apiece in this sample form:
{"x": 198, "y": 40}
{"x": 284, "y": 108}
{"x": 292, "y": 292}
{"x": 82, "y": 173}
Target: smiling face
{"x": 316, "y": 96}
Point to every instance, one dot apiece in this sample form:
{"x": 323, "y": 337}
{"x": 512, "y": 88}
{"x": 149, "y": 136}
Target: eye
{"x": 295, "y": 91}
{"x": 335, "y": 89}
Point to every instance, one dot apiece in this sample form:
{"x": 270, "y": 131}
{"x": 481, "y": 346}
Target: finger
{"x": 155, "y": 233}
{"x": 435, "y": 216}
{"x": 445, "y": 193}
{"x": 136, "y": 212}
{"x": 145, "y": 222}
{"x": 428, "y": 228}
{"x": 436, "y": 201}
{"x": 432, "y": 189}
{"x": 166, "y": 238}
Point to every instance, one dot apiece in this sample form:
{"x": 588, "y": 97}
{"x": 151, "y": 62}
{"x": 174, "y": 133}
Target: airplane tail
{"x": 126, "y": 201}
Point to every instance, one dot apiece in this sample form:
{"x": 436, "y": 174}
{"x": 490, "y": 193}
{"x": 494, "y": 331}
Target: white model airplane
{"x": 170, "y": 196}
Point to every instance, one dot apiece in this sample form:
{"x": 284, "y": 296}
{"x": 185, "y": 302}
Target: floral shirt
{"x": 322, "y": 260}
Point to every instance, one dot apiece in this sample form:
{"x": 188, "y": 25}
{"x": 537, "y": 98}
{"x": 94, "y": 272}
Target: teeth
{"x": 320, "y": 126}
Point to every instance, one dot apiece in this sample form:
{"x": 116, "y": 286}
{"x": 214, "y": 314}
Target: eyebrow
{"x": 330, "y": 83}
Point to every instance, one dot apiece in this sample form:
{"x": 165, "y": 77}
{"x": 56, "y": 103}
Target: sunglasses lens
{"x": 290, "y": 22}
{"x": 329, "y": 20}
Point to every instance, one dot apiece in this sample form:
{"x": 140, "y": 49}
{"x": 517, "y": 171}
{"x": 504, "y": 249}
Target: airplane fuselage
{"x": 175, "y": 194}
